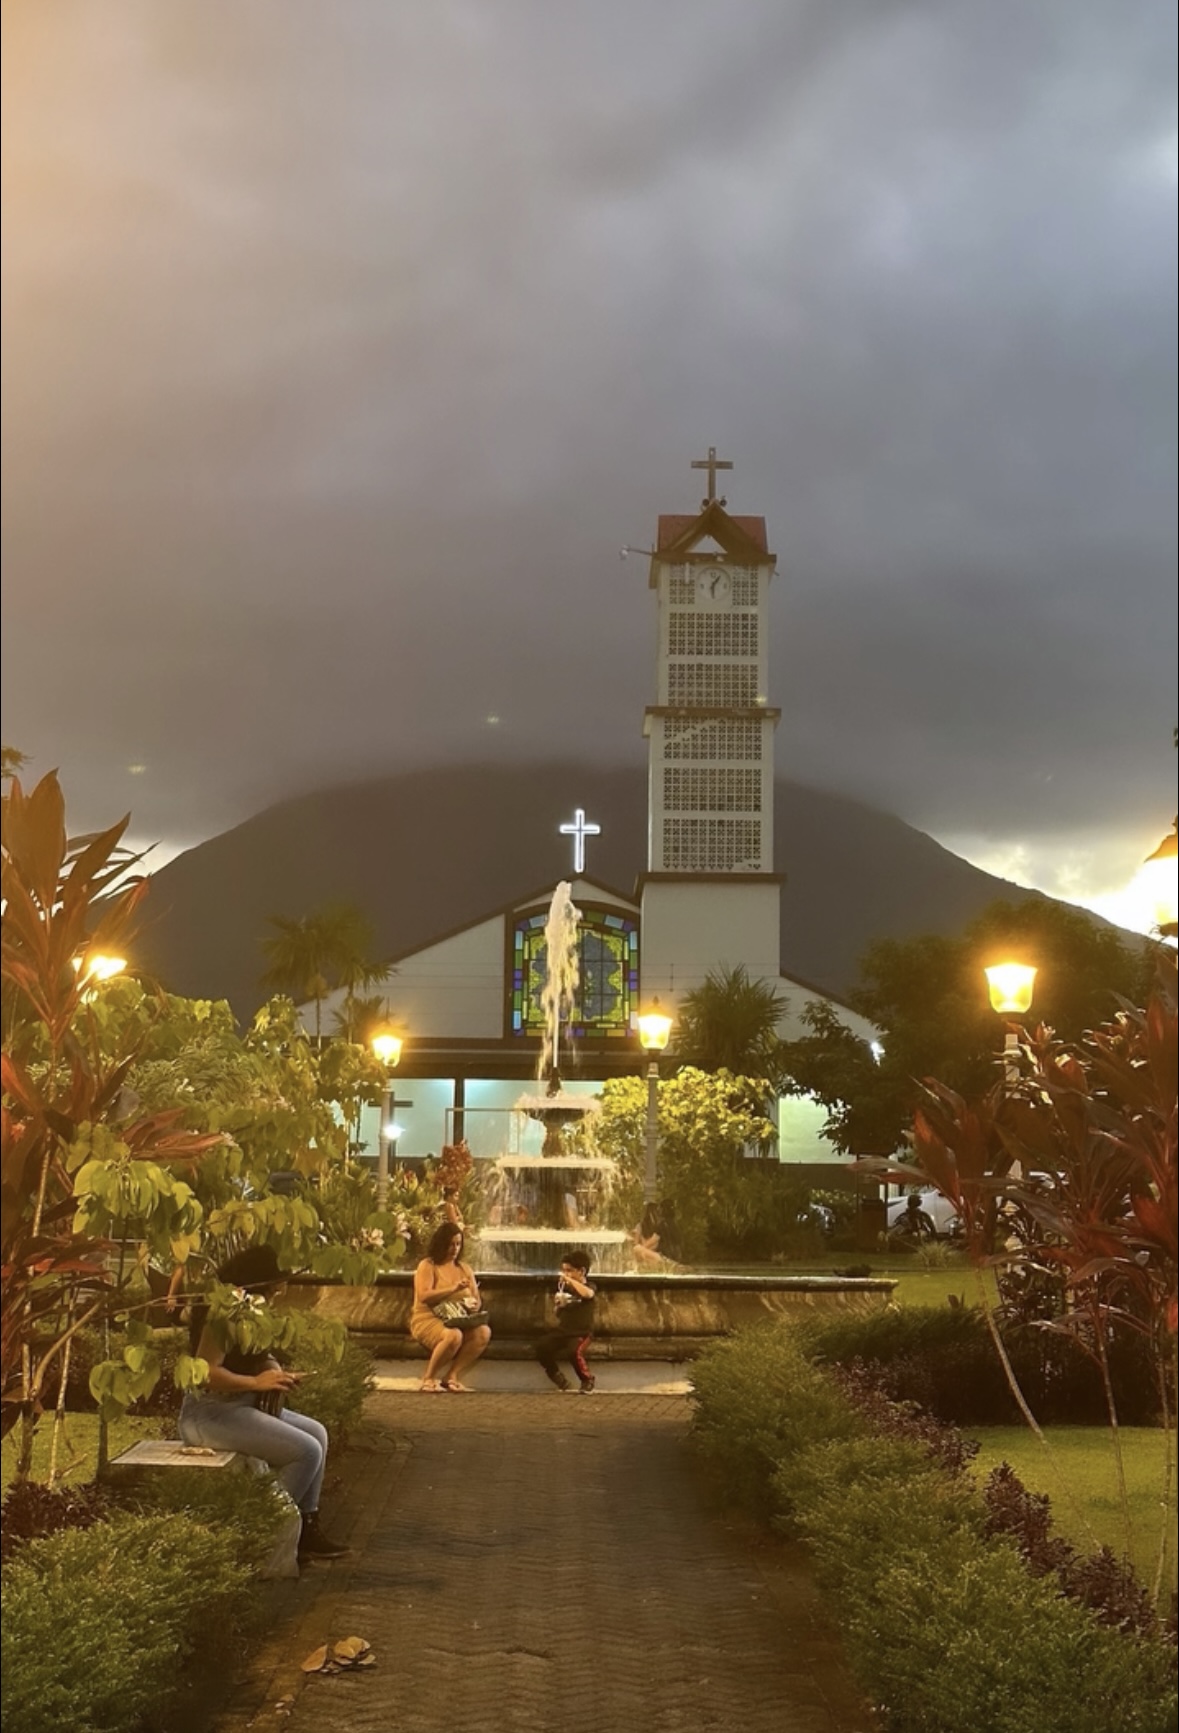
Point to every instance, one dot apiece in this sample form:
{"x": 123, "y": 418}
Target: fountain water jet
{"x": 538, "y": 1204}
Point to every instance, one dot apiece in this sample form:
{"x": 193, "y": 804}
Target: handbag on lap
{"x": 455, "y": 1315}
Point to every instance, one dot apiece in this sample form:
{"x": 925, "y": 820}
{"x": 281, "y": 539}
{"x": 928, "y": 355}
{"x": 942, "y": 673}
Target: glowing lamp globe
{"x": 1011, "y": 986}
{"x": 654, "y": 1031}
{"x": 387, "y": 1047}
{"x": 97, "y": 967}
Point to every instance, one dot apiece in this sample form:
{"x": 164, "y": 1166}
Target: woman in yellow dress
{"x": 443, "y": 1276}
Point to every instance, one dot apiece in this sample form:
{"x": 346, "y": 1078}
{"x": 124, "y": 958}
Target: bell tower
{"x": 710, "y": 896}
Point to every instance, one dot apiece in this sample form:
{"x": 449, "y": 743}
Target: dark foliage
{"x": 943, "y": 1359}
{"x": 31, "y": 1510}
{"x": 88, "y": 1351}
{"x": 1107, "y": 1585}
{"x": 864, "y": 1387}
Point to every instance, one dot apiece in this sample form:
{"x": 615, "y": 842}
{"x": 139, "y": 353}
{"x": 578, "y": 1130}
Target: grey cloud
{"x": 345, "y": 346}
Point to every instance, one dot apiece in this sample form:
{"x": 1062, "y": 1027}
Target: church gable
{"x": 709, "y": 532}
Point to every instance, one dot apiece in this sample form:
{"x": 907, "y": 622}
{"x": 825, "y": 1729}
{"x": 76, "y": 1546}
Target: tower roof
{"x": 743, "y": 538}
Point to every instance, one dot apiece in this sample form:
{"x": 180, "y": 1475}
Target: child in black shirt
{"x": 573, "y": 1330}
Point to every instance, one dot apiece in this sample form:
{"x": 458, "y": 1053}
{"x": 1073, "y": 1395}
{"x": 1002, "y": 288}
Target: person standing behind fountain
{"x": 573, "y": 1303}
{"x": 442, "y": 1275}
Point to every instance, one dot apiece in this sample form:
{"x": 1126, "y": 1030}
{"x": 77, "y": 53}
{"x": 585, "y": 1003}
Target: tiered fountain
{"x": 540, "y": 1203}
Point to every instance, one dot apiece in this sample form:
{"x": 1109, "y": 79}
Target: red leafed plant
{"x": 1075, "y": 1164}
{"x": 65, "y": 902}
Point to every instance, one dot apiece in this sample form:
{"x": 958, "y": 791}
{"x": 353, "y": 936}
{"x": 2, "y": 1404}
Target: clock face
{"x": 719, "y": 585}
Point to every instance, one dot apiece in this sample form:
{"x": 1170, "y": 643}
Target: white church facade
{"x": 468, "y": 1002}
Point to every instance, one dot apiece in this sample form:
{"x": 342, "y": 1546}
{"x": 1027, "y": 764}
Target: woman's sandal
{"x": 455, "y": 1387}
{"x": 430, "y": 1387}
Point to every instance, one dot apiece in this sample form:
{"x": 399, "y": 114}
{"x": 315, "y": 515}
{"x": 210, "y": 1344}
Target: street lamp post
{"x": 654, "y": 1032}
{"x": 387, "y": 1048}
{"x": 1011, "y": 986}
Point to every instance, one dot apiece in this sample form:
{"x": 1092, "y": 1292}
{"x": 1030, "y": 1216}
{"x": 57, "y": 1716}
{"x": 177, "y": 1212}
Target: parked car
{"x": 940, "y": 1211}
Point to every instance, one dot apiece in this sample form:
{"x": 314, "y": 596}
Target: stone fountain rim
{"x": 708, "y": 1280}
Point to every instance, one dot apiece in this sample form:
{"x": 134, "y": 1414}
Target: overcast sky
{"x": 346, "y": 344}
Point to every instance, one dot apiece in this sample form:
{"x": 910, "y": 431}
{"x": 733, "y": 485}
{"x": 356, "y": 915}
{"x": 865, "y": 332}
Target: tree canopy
{"x": 310, "y": 956}
{"x": 730, "y": 1023}
{"x": 927, "y": 997}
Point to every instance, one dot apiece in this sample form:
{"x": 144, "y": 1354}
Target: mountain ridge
{"x": 427, "y": 851}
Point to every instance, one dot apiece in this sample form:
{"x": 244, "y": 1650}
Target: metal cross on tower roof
{"x": 711, "y": 463}
{"x": 579, "y": 830}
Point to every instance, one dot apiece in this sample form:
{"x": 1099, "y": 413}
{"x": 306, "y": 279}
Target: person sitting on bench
{"x": 229, "y": 1412}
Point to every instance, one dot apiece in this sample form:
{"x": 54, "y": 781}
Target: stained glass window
{"x": 608, "y": 947}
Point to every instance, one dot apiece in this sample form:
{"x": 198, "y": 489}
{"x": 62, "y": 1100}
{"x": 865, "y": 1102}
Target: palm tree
{"x": 312, "y": 955}
{"x": 361, "y": 1016}
{"x": 12, "y": 762}
{"x": 730, "y": 1023}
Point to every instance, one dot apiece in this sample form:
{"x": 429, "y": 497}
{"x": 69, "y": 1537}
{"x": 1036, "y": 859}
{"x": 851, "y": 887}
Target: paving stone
{"x": 534, "y": 1563}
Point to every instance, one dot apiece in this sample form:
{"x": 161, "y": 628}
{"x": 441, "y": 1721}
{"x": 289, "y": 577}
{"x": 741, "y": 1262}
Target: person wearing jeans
{"x": 229, "y": 1413}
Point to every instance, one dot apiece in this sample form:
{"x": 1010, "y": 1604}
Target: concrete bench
{"x": 172, "y": 1453}
{"x": 152, "y": 1453}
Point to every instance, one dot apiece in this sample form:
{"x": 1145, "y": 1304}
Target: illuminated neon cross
{"x": 579, "y": 830}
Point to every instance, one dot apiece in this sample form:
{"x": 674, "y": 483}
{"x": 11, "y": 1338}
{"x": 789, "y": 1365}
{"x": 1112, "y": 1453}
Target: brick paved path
{"x": 529, "y": 1564}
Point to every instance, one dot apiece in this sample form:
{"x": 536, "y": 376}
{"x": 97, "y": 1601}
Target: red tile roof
{"x": 671, "y": 528}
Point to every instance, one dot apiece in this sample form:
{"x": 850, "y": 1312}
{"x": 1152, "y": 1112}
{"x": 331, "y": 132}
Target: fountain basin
{"x": 639, "y": 1317}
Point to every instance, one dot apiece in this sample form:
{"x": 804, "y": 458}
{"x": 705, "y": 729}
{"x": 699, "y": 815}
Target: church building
{"x": 468, "y": 1003}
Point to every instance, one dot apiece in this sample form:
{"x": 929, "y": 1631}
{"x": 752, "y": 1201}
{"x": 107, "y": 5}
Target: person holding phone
{"x": 442, "y": 1275}
{"x": 242, "y": 1406}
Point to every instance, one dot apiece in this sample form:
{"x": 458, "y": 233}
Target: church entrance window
{"x": 608, "y": 951}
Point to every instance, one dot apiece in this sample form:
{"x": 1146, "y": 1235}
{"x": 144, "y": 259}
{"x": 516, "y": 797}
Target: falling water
{"x": 563, "y": 975}
{"x": 537, "y": 1204}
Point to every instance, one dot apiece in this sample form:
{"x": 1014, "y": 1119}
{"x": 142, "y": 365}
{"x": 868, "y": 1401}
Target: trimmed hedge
{"x": 99, "y": 1623}
{"x": 945, "y": 1626}
{"x": 943, "y": 1358}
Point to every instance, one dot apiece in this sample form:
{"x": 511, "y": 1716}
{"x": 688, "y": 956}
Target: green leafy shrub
{"x": 946, "y": 1625}
{"x": 759, "y": 1402}
{"x": 972, "y": 1641}
{"x": 248, "y": 1508}
{"x": 335, "y": 1395}
{"x": 862, "y": 1505}
{"x": 98, "y": 1622}
{"x": 943, "y": 1358}
{"x": 88, "y": 1351}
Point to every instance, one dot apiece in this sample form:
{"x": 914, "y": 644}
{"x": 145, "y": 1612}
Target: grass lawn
{"x": 1086, "y": 1459}
{"x": 78, "y": 1451}
{"x": 916, "y": 1285}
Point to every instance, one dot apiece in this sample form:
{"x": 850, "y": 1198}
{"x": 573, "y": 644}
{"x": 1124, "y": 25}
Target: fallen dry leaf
{"x": 315, "y": 1660}
{"x": 351, "y": 1648}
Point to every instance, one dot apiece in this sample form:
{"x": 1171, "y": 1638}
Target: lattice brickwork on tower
{"x": 711, "y": 773}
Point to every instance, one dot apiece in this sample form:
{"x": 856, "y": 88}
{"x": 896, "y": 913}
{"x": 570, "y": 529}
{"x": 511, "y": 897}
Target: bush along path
{"x": 127, "y": 1605}
{"x": 959, "y": 1608}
